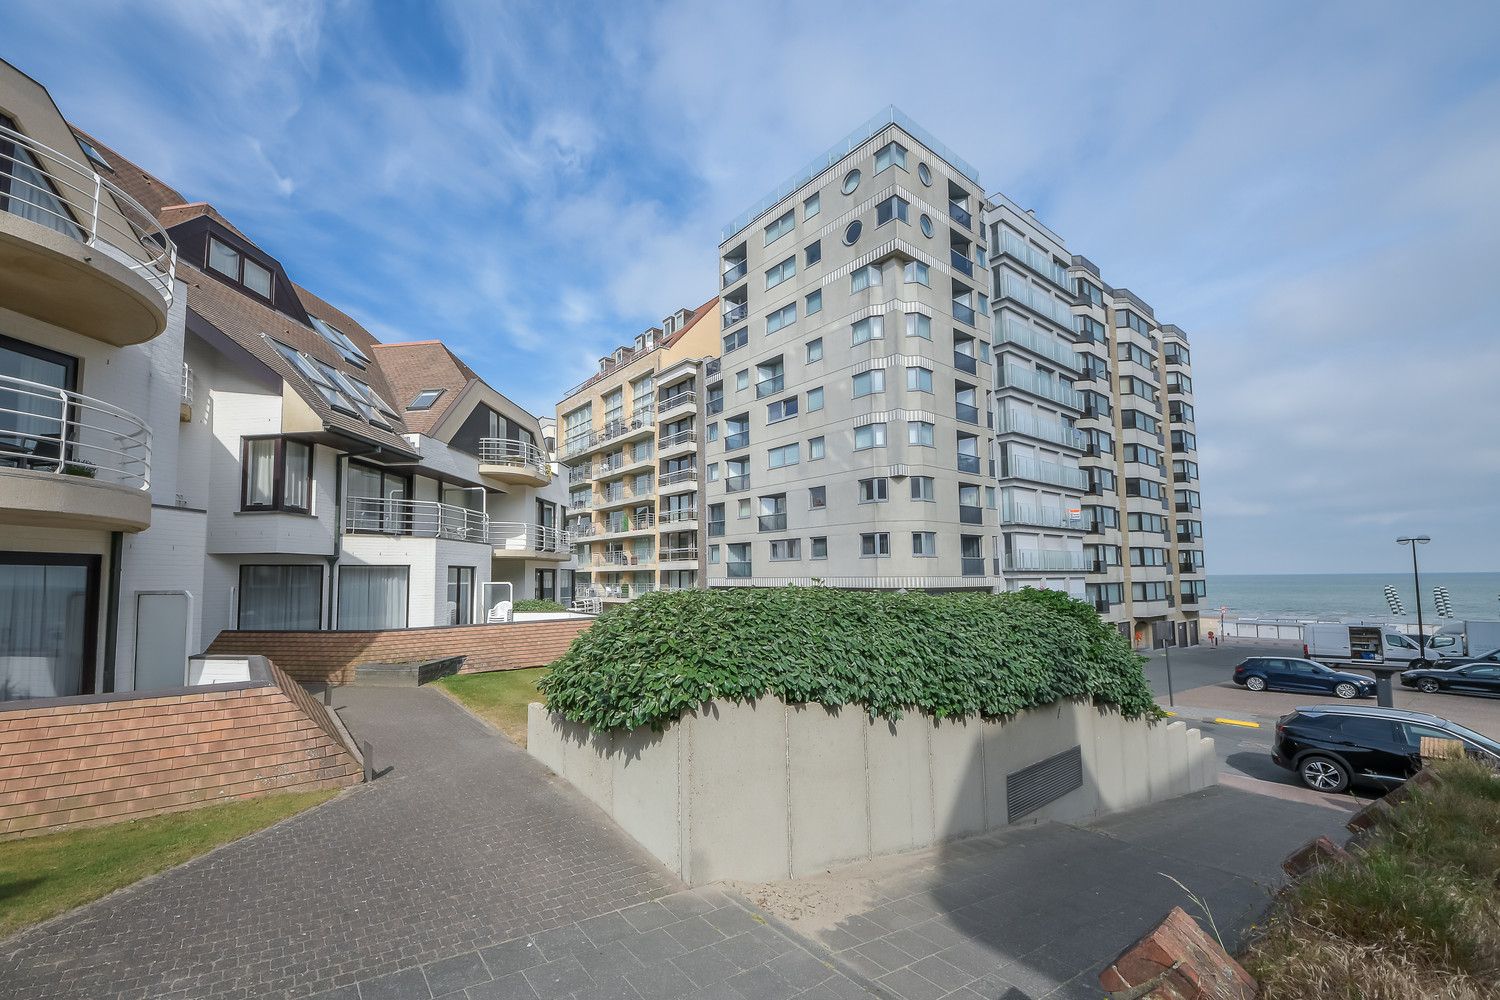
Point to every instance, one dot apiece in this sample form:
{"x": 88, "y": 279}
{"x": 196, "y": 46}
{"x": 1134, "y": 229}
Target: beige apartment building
{"x": 629, "y": 439}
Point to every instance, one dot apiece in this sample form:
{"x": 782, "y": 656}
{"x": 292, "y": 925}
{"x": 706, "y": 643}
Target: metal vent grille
{"x": 1030, "y": 788}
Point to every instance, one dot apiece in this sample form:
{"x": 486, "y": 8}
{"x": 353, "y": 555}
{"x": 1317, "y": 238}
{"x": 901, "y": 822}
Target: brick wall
{"x": 332, "y": 656}
{"x": 110, "y": 757}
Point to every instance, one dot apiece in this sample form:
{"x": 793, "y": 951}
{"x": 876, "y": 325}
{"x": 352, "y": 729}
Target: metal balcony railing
{"x": 416, "y": 518}
{"x": 514, "y": 454}
{"x": 629, "y": 560}
{"x": 960, "y": 215}
{"x": 674, "y": 440}
{"x": 46, "y": 429}
{"x": 639, "y": 521}
{"x": 961, "y": 263}
{"x": 68, "y": 197}
{"x": 735, "y": 273}
{"x": 683, "y": 515}
{"x": 685, "y": 397}
{"x": 681, "y": 554}
{"x": 679, "y": 476}
{"x": 520, "y": 536}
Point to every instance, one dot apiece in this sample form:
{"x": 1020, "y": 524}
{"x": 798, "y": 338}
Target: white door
{"x": 161, "y": 639}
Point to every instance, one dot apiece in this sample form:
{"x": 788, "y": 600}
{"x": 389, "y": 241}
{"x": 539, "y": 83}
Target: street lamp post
{"x": 1383, "y": 677}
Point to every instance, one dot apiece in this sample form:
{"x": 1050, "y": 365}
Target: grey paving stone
{"x": 693, "y": 903}
{"x": 408, "y": 984}
{"x": 559, "y": 978}
{"x": 510, "y": 956}
{"x": 885, "y": 955}
{"x": 511, "y": 987}
{"x": 707, "y": 965}
{"x": 609, "y": 962}
{"x": 747, "y": 950}
{"x": 973, "y": 959}
{"x": 654, "y": 947}
{"x": 560, "y": 942}
{"x": 660, "y": 982}
{"x": 342, "y": 993}
{"x": 731, "y": 919}
{"x": 945, "y": 976}
{"x": 910, "y": 986}
{"x": 648, "y": 916}
{"x": 716, "y": 991}
{"x": 912, "y": 943}
{"x": 800, "y": 968}
{"x": 607, "y": 927}
{"x": 612, "y": 989}
{"x": 450, "y": 975}
{"x": 695, "y": 932}
{"x": 762, "y": 983}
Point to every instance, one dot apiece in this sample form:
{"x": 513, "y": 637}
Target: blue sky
{"x": 1308, "y": 190}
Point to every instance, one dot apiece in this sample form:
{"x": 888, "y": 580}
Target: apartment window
{"x": 894, "y": 207}
{"x": 817, "y": 497}
{"x": 919, "y": 379}
{"x": 1148, "y": 557}
{"x": 1140, "y": 453}
{"x": 736, "y": 339}
{"x": 275, "y": 474}
{"x": 1148, "y": 591}
{"x": 869, "y": 328}
{"x": 919, "y": 433}
{"x": 916, "y": 273}
{"x": 783, "y": 549}
{"x": 815, "y": 302}
{"x": 373, "y": 597}
{"x": 1126, "y": 318}
{"x": 1184, "y": 441}
{"x": 713, "y": 472}
{"x": 891, "y": 154}
{"x": 873, "y": 490}
{"x": 742, "y": 510}
{"x": 783, "y": 317}
{"x": 923, "y": 488}
{"x": 713, "y": 432}
{"x": 739, "y": 561}
{"x": 815, "y": 350}
{"x": 865, "y": 277}
{"x": 851, "y": 234}
{"x": 461, "y": 594}
{"x": 787, "y": 454}
{"x": 781, "y": 272}
{"x": 237, "y": 267}
{"x": 425, "y": 399}
{"x": 224, "y": 259}
{"x": 868, "y": 383}
{"x": 814, "y": 399}
{"x": 815, "y": 449}
{"x": 924, "y": 544}
{"x": 811, "y": 206}
{"x": 818, "y": 547}
{"x": 782, "y": 409}
{"x": 1126, "y": 351}
{"x": 257, "y": 278}
{"x": 281, "y": 598}
{"x": 875, "y": 545}
{"x": 781, "y": 226}
{"x": 851, "y": 181}
{"x": 713, "y": 555}
{"x": 926, "y": 223}
{"x": 869, "y": 436}
{"x": 742, "y": 380}
{"x": 813, "y": 252}
{"x": 1088, "y": 291}
{"x": 340, "y": 341}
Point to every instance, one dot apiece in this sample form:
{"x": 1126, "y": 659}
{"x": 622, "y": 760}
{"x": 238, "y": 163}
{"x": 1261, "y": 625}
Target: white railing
{"x": 515, "y": 454}
{"x": 1010, "y": 421}
{"x": 673, "y": 440}
{"x": 631, "y": 522}
{"x": 46, "y": 429}
{"x": 187, "y": 384}
{"x": 678, "y": 555}
{"x": 417, "y": 518}
{"x": 680, "y": 476}
{"x": 678, "y": 516}
{"x": 1044, "y": 517}
{"x": 627, "y": 560}
{"x": 56, "y": 191}
{"x": 522, "y": 536}
{"x": 1045, "y": 559}
{"x": 682, "y": 397}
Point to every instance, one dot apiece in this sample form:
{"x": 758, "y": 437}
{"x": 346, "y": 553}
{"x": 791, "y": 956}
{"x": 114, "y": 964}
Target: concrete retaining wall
{"x": 768, "y": 790}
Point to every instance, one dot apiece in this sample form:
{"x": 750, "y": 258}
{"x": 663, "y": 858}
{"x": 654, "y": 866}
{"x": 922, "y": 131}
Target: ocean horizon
{"x": 1348, "y": 595}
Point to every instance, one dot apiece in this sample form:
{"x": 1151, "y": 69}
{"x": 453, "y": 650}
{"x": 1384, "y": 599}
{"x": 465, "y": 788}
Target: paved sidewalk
{"x": 464, "y": 843}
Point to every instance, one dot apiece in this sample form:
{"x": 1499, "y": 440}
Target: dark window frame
{"x": 93, "y": 566}
{"x": 238, "y": 279}
{"x": 278, "y": 490}
{"x": 239, "y": 598}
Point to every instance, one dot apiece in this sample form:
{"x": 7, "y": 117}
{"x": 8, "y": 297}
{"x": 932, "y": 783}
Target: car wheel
{"x": 1323, "y": 774}
{"x": 1345, "y": 690}
{"x": 1428, "y": 686}
{"x": 1255, "y": 683}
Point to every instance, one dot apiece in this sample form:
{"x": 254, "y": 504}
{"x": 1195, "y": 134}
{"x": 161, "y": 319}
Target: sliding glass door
{"x": 49, "y": 612}
{"x": 372, "y": 597}
{"x": 281, "y": 598}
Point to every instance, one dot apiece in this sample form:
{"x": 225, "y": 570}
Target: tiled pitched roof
{"x": 140, "y": 185}
{"x": 667, "y": 341}
{"x": 173, "y": 215}
{"x": 426, "y": 364}
{"x": 691, "y": 322}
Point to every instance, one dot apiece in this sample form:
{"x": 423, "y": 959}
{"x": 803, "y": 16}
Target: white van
{"x": 1359, "y": 643}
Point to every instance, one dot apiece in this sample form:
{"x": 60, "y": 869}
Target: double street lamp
{"x": 1414, "y": 541}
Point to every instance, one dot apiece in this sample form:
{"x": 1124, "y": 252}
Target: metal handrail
{"x": 416, "y": 518}
{"x": 524, "y": 536}
{"x": 678, "y": 516}
{"x": 47, "y": 429}
{"x": 67, "y": 196}
{"x": 673, "y": 440}
{"x": 630, "y": 522}
{"x": 676, "y": 399}
{"x": 679, "y": 476}
{"x": 516, "y": 454}
{"x": 678, "y": 554}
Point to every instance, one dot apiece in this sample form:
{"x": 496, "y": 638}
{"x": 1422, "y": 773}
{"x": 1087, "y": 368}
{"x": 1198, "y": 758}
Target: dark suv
{"x": 1333, "y": 746}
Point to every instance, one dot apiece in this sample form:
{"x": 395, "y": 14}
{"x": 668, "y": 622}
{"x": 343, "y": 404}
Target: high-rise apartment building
{"x": 849, "y": 422}
{"x": 1145, "y": 541}
{"x": 630, "y": 437}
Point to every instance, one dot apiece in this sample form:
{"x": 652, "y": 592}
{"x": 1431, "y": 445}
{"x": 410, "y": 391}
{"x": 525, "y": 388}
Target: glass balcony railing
{"x": 734, "y": 442}
{"x": 769, "y": 386}
{"x": 961, "y": 264}
{"x": 739, "y": 570}
{"x": 970, "y": 515}
{"x": 965, "y": 412}
{"x": 735, "y": 484}
{"x": 960, "y": 215}
{"x": 772, "y": 522}
{"x": 1016, "y": 377}
{"x": 1045, "y": 560}
{"x": 735, "y": 314}
{"x": 973, "y": 565}
{"x": 715, "y": 529}
{"x": 968, "y": 463}
{"x": 735, "y": 273}
{"x": 964, "y": 314}
{"x": 965, "y": 363}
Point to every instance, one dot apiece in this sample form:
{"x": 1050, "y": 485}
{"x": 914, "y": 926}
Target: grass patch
{"x": 1415, "y": 915}
{"x": 43, "y": 876}
{"x": 499, "y": 696}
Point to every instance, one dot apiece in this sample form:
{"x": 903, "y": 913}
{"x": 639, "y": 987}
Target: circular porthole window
{"x": 851, "y": 181}
{"x": 926, "y": 226}
{"x": 851, "y": 235}
{"x": 925, "y": 172}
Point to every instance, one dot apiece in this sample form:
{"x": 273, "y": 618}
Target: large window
{"x": 32, "y": 425}
{"x": 281, "y": 598}
{"x": 237, "y": 267}
{"x": 461, "y": 594}
{"x": 372, "y": 597}
{"x": 48, "y": 618}
{"x": 276, "y": 474}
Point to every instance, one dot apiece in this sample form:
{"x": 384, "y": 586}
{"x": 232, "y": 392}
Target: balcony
{"x": 616, "y": 562}
{"x": 683, "y": 399}
{"x": 415, "y": 519}
{"x": 1024, "y": 467}
{"x": 78, "y": 252}
{"x": 185, "y": 407}
{"x": 1053, "y": 432}
{"x": 1040, "y": 517}
{"x": 71, "y": 461}
{"x": 973, "y": 565}
{"x": 967, "y": 413}
{"x": 1016, "y": 377}
{"x": 964, "y": 314}
{"x": 679, "y": 442}
{"x": 734, "y": 442}
{"x": 734, "y": 314}
{"x": 961, "y": 264}
{"x": 769, "y": 386}
{"x": 683, "y": 517}
{"x": 678, "y": 480}
{"x": 965, "y": 363}
{"x": 640, "y": 424}
{"x": 1052, "y": 347}
{"x": 969, "y": 464}
{"x": 521, "y": 540}
{"x": 735, "y": 273}
{"x": 738, "y": 570}
{"x": 1045, "y": 561}
{"x": 1190, "y": 568}
{"x": 715, "y": 529}
{"x": 621, "y": 524}
{"x": 683, "y": 554}
{"x": 970, "y": 515}
{"x": 578, "y": 474}
{"x": 1102, "y": 605}
{"x": 620, "y": 496}
{"x": 734, "y": 484}
{"x": 516, "y": 463}
{"x": 771, "y": 522}
{"x": 714, "y": 406}
{"x": 960, "y": 215}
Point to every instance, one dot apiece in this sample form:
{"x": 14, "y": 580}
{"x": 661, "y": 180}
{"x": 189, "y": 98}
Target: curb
{"x": 1207, "y": 715}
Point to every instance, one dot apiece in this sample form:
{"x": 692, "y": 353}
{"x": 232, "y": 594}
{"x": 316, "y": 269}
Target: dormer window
{"x": 238, "y": 268}
{"x": 425, "y": 399}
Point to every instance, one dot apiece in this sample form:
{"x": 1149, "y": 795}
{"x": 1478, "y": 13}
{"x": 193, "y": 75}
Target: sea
{"x": 1331, "y": 596}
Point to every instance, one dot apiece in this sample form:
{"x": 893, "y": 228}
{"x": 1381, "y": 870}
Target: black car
{"x": 1490, "y": 656}
{"x": 1474, "y": 678}
{"x": 1333, "y": 746}
{"x": 1286, "y": 673}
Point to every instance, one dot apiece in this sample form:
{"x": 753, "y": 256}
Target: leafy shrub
{"x": 531, "y": 604}
{"x": 951, "y": 655}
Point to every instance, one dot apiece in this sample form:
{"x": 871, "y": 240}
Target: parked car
{"x": 1481, "y": 677}
{"x": 1284, "y": 673}
{"x": 1331, "y": 747}
{"x": 1491, "y": 656}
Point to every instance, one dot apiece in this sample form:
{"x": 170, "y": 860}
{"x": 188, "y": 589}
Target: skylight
{"x": 336, "y": 337}
{"x": 314, "y": 373}
{"x": 425, "y": 399}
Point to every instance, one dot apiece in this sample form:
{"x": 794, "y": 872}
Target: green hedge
{"x": 951, "y": 655}
{"x": 531, "y": 604}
